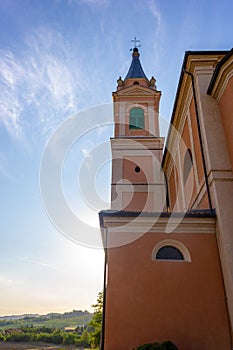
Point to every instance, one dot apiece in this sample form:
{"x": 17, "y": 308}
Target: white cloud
{"x": 88, "y": 158}
{"x": 4, "y": 281}
{"x": 38, "y": 86}
{"x": 156, "y": 14}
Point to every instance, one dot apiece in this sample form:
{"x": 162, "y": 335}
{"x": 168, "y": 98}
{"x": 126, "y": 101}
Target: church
{"x": 168, "y": 236}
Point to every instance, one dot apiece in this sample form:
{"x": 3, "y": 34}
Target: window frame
{"x": 139, "y": 123}
{"x": 174, "y": 243}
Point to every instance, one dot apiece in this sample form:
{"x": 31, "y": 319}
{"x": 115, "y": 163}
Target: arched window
{"x": 171, "y": 249}
{"x": 169, "y": 252}
{"x": 188, "y": 163}
{"x": 136, "y": 118}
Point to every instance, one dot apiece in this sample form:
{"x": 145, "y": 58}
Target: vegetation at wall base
{"x": 166, "y": 345}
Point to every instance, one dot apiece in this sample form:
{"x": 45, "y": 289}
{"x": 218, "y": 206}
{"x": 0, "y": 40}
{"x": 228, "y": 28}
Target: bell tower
{"x": 137, "y": 180}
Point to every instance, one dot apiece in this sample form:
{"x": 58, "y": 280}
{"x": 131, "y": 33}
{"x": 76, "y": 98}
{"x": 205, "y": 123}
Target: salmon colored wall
{"x": 190, "y": 188}
{"x": 204, "y": 203}
{"x": 137, "y": 201}
{"x": 197, "y": 149}
{"x": 172, "y": 189}
{"x": 186, "y": 136}
{"x": 148, "y": 301}
{"x": 130, "y": 82}
{"x": 226, "y": 109}
{"x": 190, "y": 191}
{"x": 135, "y": 98}
{"x": 140, "y": 132}
{"x": 144, "y": 176}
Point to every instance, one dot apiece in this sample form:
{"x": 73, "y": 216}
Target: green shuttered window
{"x": 136, "y": 119}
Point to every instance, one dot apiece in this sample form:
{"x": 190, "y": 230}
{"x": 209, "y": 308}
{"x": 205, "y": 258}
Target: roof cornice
{"x": 190, "y": 61}
{"x": 219, "y": 70}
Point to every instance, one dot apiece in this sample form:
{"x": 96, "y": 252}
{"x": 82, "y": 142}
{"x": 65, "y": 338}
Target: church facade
{"x": 168, "y": 235}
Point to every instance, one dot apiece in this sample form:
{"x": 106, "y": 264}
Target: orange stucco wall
{"x": 148, "y": 301}
{"x": 195, "y": 181}
{"x": 226, "y": 109}
{"x": 172, "y": 189}
{"x": 145, "y": 165}
{"x": 197, "y": 149}
{"x": 189, "y": 186}
{"x": 137, "y": 201}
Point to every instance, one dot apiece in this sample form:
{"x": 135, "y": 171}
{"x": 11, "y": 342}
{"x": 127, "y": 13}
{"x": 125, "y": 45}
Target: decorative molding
{"x": 224, "y": 75}
{"x": 137, "y": 143}
{"x": 156, "y": 224}
{"x": 220, "y": 175}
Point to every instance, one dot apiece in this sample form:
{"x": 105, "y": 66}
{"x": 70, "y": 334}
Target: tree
{"x": 96, "y": 321}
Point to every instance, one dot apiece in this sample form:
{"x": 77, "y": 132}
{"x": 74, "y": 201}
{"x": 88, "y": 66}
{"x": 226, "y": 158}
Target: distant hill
{"x": 17, "y": 317}
{"x": 73, "y": 318}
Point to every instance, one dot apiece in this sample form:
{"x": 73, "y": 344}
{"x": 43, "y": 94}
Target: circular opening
{"x": 137, "y": 169}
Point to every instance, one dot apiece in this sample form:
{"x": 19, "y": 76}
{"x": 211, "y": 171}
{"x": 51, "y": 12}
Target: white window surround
{"x": 174, "y": 243}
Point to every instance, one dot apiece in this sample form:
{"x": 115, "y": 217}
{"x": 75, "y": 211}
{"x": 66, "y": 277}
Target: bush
{"x": 19, "y": 337}
{"x": 167, "y": 345}
{"x": 44, "y": 337}
{"x": 57, "y": 337}
{"x": 84, "y": 340}
{"x": 69, "y": 339}
{"x": 2, "y": 338}
{"x": 82, "y": 343}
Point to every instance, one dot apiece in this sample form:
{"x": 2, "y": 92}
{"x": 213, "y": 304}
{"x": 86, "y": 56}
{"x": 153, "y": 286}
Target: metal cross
{"x": 135, "y": 41}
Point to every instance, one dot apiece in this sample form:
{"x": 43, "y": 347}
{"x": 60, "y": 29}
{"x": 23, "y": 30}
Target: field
{"x": 43, "y": 332}
{"x": 59, "y": 322}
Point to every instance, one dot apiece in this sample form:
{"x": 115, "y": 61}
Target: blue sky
{"x": 58, "y": 59}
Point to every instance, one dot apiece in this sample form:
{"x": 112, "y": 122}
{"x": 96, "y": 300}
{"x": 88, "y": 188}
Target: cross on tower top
{"x": 135, "y": 41}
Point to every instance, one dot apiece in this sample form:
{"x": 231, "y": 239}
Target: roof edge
{"x": 194, "y": 213}
{"x": 217, "y": 70}
{"x": 186, "y": 55}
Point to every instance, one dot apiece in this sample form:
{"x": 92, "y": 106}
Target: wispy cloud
{"x": 39, "y": 263}
{"x": 88, "y": 158}
{"x": 38, "y": 86}
{"x": 4, "y": 168}
{"x": 156, "y": 14}
{"x": 90, "y": 2}
{"x": 4, "y": 281}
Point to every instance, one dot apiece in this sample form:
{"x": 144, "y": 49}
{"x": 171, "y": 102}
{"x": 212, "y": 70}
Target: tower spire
{"x": 135, "y": 69}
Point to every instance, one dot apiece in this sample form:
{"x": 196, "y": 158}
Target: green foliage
{"x": 167, "y": 345}
{"x": 19, "y": 337}
{"x": 57, "y": 337}
{"x": 85, "y": 339}
{"x": 69, "y": 339}
{"x": 2, "y": 337}
{"x": 96, "y": 322}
